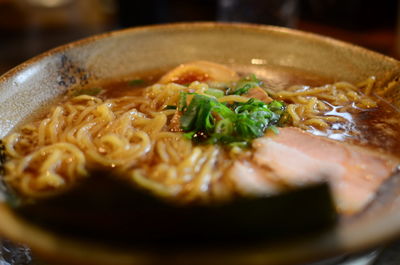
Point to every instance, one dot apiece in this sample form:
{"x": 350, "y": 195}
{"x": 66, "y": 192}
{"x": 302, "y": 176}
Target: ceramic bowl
{"x": 35, "y": 83}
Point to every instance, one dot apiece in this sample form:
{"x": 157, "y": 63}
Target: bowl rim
{"x": 185, "y": 25}
{"x": 56, "y": 247}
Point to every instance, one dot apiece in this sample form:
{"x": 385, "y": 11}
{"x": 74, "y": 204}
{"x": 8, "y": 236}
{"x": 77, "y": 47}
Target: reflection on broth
{"x": 213, "y": 138}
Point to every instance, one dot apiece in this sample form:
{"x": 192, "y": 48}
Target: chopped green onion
{"x": 242, "y": 144}
{"x": 188, "y": 135}
{"x": 168, "y": 107}
{"x": 182, "y": 105}
{"x": 274, "y": 129}
{"x": 244, "y": 85}
{"x": 242, "y": 89}
{"x": 276, "y": 106}
{"x": 195, "y": 112}
{"x": 93, "y": 91}
{"x": 224, "y": 126}
{"x": 209, "y": 121}
{"x": 136, "y": 82}
{"x": 214, "y": 92}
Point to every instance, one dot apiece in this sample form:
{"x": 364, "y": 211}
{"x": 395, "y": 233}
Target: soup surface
{"x": 204, "y": 133}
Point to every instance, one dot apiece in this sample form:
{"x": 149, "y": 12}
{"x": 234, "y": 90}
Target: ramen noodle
{"x": 139, "y": 137}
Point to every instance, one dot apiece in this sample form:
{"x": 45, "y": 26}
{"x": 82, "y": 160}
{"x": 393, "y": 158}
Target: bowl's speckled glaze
{"x": 33, "y": 84}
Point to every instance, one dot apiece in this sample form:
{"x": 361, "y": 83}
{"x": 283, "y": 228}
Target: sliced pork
{"x": 199, "y": 71}
{"x": 294, "y": 158}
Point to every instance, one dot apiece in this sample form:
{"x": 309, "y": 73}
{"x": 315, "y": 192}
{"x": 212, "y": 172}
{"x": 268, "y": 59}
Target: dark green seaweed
{"x": 107, "y": 210}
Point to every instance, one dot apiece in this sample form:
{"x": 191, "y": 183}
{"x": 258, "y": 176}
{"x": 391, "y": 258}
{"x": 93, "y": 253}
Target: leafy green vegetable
{"x": 224, "y": 127}
{"x": 277, "y": 107}
{"x": 242, "y": 90}
{"x": 136, "y": 82}
{"x": 198, "y": 116}
{"x": 209, "y": 121}
{"x": 245, "y": 84}
{"x": 215, "y": 92}
{"x": 274, "y": 129}
{"x": 189, "y": 135}
{"x": 92, "y": 91}
{"x": 169, "y": 107}
{"x": 285, "y": 119}
{"x": 182, "y": 101}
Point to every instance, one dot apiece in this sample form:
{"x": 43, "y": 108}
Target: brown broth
{"x": 376, "y": 128}
{"x": 380, "y": 128}
{"x": 124, "y": 87}
{"x": 279, "y": 78}
{"x": 273, "y": 77}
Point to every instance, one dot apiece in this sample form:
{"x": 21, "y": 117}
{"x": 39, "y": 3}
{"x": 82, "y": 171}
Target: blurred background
{"x": 29, "y": 27}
